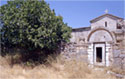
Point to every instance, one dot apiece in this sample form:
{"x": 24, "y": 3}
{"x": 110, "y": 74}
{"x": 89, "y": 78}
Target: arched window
{"x": 105, "y": 24}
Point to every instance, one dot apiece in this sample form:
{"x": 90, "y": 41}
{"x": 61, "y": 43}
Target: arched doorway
{"x": 99, "y": 46}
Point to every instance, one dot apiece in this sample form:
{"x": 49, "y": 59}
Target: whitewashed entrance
{"x": 97, "y": 49}
{"x": 99, "y": 54}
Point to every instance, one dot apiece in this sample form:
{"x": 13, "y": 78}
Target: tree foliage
{"x": 32, "y": 24}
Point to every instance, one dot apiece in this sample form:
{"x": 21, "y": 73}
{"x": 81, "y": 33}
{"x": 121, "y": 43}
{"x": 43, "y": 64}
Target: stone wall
{"x": 119, "y": 49}
{"x": 118, "y": 59}
{"x": 75, "y": 51}
{"x": 115, "y": 52}
{"x": 119, "y": 55}
{"x": 81, "y": 43}
{"x": 111, "y": 23}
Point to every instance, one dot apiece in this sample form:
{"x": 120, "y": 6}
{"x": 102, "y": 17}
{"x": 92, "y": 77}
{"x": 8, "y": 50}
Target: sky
{"x": 78, "y": 13}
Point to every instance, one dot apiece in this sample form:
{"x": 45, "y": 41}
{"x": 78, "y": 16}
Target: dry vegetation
{"x": 56, "y": 69}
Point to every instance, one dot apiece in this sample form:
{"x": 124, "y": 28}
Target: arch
{"x": 104, "y": 29}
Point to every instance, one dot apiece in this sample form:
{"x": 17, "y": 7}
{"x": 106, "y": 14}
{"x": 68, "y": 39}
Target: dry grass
{"x": 116, "y": 70}
{"x": 57, "y": 69}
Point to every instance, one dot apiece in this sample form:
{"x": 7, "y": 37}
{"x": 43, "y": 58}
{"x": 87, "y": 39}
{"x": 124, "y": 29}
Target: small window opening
{"x": 99, "y": 54}
{"x": 118, "y": 41}
{"x": 105, "y": 24}
{"x": 119, "y": 26}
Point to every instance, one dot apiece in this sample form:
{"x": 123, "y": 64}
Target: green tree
{"x": 33, "y": 25}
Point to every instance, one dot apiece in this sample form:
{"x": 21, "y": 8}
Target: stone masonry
{"x": 102, "y": 44}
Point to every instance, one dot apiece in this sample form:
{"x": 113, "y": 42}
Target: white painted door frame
{"x": 102, "y": 45}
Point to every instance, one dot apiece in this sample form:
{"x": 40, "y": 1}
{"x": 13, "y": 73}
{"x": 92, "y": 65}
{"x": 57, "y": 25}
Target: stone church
{"x": 101, "y": 44}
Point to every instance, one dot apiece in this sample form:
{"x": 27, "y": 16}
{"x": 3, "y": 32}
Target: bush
{"x": 32, "y": 25}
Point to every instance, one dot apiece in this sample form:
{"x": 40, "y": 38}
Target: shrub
{"x": 32, "y": 25}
